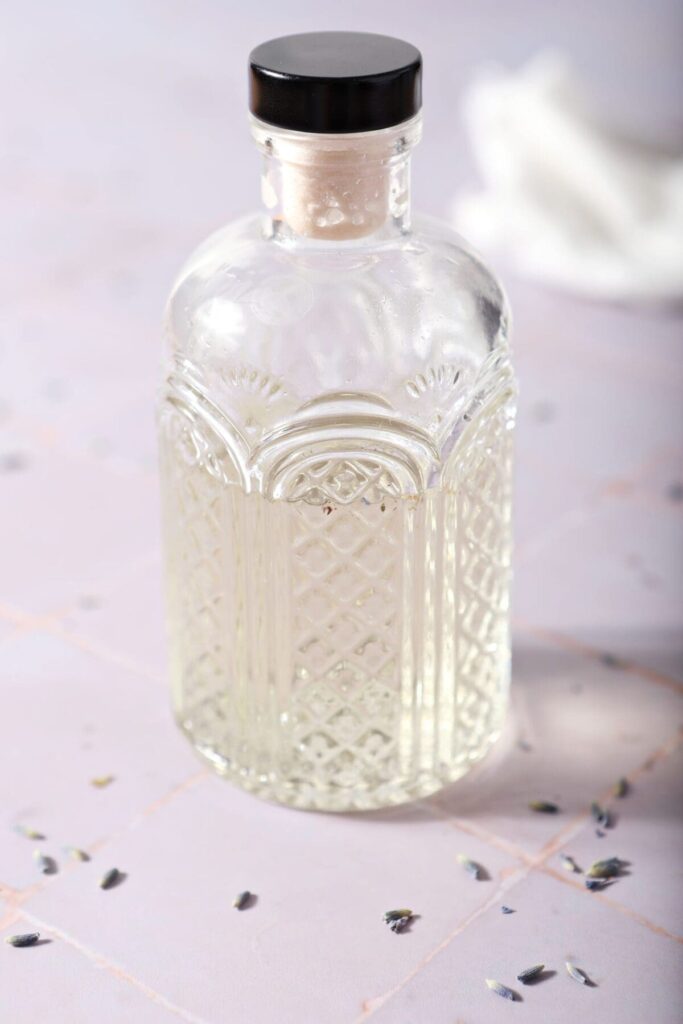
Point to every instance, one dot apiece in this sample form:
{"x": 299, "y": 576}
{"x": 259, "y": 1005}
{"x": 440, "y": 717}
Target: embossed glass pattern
{"x": 335, "y": 433}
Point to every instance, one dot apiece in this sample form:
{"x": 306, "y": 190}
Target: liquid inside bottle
{"x": 344, "y": 646}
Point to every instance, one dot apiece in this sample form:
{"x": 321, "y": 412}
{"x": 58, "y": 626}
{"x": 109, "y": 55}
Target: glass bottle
{"x": 335, "y": 434}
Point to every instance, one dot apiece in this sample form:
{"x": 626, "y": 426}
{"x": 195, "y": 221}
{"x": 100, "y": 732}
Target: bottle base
{"x": 306, "y": 795}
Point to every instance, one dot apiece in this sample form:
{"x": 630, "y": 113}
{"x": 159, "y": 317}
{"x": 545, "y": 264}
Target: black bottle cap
{"x": 335, "y": 82}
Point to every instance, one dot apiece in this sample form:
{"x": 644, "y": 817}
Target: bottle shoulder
{"x": 414, "y": 322}
{"x": 431, "y": 255}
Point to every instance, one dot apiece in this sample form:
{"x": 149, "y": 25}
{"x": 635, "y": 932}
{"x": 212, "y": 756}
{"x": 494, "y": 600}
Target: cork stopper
{"x": 336, "y": 187}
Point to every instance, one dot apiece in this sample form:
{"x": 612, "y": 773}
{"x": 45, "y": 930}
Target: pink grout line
{"x": 23, "y": 620}
{"x": 567, "y": 642}
{"x": 567, "y": 832}
{"x": 483, "y": 834}
{"x": 532, "y": 863}
{"x": 589, "y": 504}
{"x": 17, "y": 897}
{"x": 553, "y": 847}
{"x": 115, "y": 969}
{"x": 103, "y": 653}
{"x": 52, "y": 624}
{"x": 370, "y": 1006}
{"x": 152, "y": 809}
{"x": 608, "y": 902}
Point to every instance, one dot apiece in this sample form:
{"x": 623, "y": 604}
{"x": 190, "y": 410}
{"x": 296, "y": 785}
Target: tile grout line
{"x": 15, "y": 898}
{"x": 531, "y": 863}
{"x": 151, "y": 809}
{"x": 568, "y": 643}
{"x": 51, "y": 625}
{"x": 615, "y": 905}
{"x": 490, "y": 838}
{"x": 553, "y": 847}
{"x": 432, "y": 807}
{"x": 103, "y": 653}
{"x": 116, "y": 970}
{"x": 590, "y": 505}
{"x": 370, "y": 1006}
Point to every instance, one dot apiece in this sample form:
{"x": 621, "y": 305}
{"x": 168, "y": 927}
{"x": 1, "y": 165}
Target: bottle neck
{"x": 336, "y": 187}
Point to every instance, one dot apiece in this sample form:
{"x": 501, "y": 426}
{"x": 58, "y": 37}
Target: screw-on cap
{"x": 335, "y": 82}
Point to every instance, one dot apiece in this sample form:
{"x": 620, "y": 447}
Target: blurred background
{"x": 125, "y": 142}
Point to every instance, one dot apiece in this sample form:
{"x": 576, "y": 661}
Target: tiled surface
{"x": 74, "y": 986}
{"x": 553, "y": 923}
{"x": 582, "y": 725}
{"x": 111, "y": 624}
{"x": 647, "y": 828}
{"x": 320, "y": 883}
{"x": 103, "y": 189}
{"x": 70, "y": 716}
{"x": 74, "y": 525}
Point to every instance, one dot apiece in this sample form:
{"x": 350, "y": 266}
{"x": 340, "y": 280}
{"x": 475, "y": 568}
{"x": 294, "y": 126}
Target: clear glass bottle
{"x": 335, "y": 432}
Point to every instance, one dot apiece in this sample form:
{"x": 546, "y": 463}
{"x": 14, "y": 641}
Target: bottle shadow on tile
{"x": 550, "y": 684}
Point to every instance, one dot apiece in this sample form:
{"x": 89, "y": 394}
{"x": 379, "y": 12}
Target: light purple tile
{"x": 322, "y": 882}
{"x": 586, "y": 724}
{"x": 126, "y": 620}
{"x": 596, "y": 400}
{"x": 7, "y": 629}
{"x": 648, "y": 833}
{"x": 120, "y": 434}
{"x": 75, "y": 527}
{"x": 68, "y": 359}
{"x": 69, "y": 717}
{"x": 618, "y": 568}
{"x": 599, "y": 412}
{"x": 54, "y": 981}
{"x": 634, "y": 970}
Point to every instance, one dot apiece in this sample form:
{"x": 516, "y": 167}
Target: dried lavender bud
{"x": 28, "y": 833}
{"x": 576, "y": 973}
{"x": 501, "y": 990}
{"x": 396, "y": 915}
{"x": 470, "y": 866}
{"x": 621, "y": 788}
{"x": 242, "y": 900}
{"x": 506, "y": 910}
{"x": 27, "y": 939}
{"x": 609, "y": 868}
{"x": 399, "y": 924}
{"x": 76, "y": 854}
{"x": 102, "y": 781}
{"x": 110, "y": 878}
{"x": 596, "y": 884}
{"x": 600, "y": 815}
{"x": 543, "y": 807}
{"x": 612, "y": 661}
{"x": 530, "y": 973}
{"x": 45, "y": 864}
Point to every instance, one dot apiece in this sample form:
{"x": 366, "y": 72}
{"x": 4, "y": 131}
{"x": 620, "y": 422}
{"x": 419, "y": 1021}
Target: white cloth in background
{"x": 565, "y": 199}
